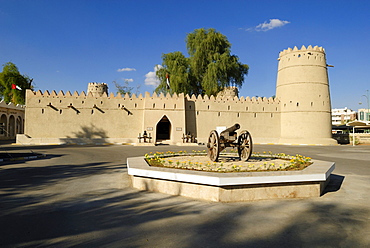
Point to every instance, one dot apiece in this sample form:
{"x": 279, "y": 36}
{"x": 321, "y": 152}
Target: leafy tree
{"x": 125, "y": 88}
{"x": 10, "y": 77}
{"x": 177, "y": 66}
{"x": 209, "y": 68}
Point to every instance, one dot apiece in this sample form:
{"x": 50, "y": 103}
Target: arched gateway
{"x": 163, "y": 129}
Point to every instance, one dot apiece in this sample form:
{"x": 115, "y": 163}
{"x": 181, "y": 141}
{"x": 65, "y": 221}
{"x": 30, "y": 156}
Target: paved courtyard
{"x": 80, "y": 196}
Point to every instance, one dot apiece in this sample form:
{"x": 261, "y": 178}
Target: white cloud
{"x": 126, "y": 69}
{"x": 151, "y": 77}
{"x": 273, "y": 23}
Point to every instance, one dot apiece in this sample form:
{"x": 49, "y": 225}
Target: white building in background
{"x": 341, "y": 116}
{"x": 364, "y": 115}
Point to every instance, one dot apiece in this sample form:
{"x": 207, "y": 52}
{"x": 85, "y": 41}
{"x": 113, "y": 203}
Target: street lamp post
{"x": 368, "y": 105}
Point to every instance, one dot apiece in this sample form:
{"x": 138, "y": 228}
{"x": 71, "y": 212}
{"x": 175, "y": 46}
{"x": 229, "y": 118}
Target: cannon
{"x": 229, "y": 138}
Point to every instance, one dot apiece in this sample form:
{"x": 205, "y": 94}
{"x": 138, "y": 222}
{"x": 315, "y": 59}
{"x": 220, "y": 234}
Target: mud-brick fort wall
{"x": 50, "y": 116}
{"x": 65, "y": 117}
{"x": 300, "y": 113}
{"x": 260, "y": 116}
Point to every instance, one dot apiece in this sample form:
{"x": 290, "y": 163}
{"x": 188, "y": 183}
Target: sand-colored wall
{"x": 261, "y": 117}
{"x": 70, "y": 116}
{"x": 52, "y": 115}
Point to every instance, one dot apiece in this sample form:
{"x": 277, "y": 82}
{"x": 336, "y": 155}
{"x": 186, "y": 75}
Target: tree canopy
{"x": 125, "y": 88}
{"x": 13, "y": 85}
{"x": 209, "y": 68}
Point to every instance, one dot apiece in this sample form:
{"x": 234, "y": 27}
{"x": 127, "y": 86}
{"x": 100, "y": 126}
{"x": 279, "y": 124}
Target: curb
{"x": 288, "y": 144}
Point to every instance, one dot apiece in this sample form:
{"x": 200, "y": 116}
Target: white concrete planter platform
{"x": 231, "y": 187}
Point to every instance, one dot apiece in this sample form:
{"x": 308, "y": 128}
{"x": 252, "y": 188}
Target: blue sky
{"x": 65, "y": 44}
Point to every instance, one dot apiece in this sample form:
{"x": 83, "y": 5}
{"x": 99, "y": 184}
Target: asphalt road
{"x": 80, "y": 196}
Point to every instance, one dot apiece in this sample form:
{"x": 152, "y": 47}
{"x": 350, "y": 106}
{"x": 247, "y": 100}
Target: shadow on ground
{"x": 335, "y": 183}
{"x": 132, "y": 219}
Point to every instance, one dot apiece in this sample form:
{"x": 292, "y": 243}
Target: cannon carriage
{"x": 229, "y": 138}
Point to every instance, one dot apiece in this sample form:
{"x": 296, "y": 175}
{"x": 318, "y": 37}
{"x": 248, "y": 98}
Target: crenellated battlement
{"x": 161, "y": 96}
{"x": 310, "y": 56}
{"x": 303, "y": 49}
{"x": 225, "y": 99}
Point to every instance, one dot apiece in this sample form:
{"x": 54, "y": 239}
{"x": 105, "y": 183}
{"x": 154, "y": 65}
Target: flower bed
{"x": 228, "y": 162}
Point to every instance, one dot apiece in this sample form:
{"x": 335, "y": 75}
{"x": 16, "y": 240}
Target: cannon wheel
{"x": 213, "y": 146}
{"x": 245, "y": 145}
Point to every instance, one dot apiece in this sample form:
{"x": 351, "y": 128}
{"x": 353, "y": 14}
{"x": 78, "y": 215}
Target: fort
{"x": 299, "y": 114}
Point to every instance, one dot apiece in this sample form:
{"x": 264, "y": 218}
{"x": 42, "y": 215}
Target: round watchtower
{"x": 97, "y": 89}
{"x": 302, "y": 87}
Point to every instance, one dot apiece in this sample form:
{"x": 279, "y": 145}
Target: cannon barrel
{"x": 230, "y": 129}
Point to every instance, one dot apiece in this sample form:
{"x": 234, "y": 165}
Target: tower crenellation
{"x": 304, "y": 56}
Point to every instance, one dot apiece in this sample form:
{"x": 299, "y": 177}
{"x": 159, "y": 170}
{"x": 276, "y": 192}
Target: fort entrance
{"x": 163, "y": 129}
